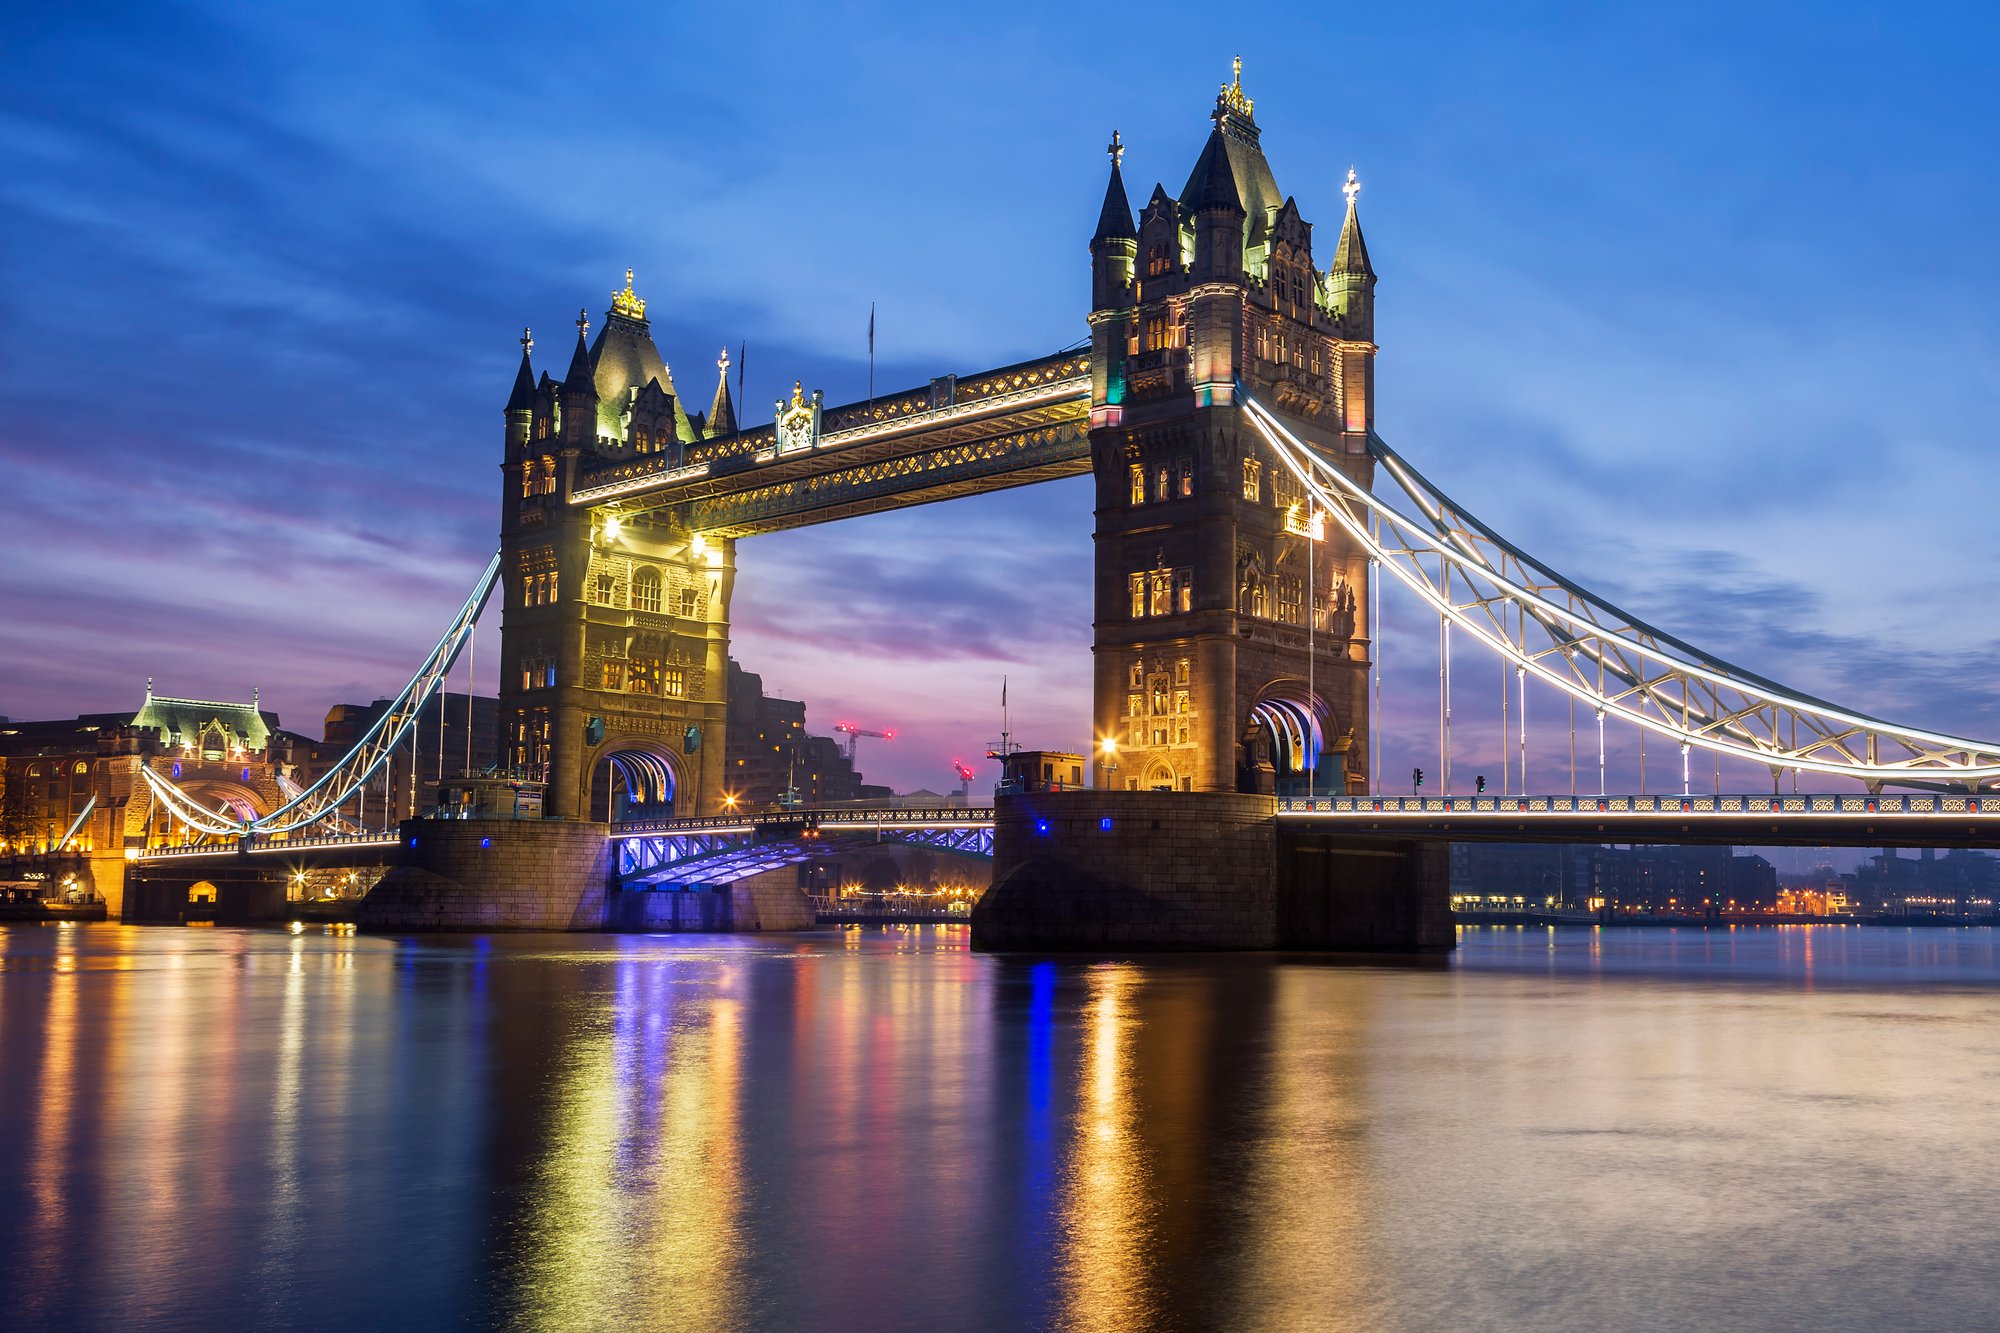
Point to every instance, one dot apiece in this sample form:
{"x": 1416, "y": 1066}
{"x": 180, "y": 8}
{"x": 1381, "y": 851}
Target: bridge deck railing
{"x": 1946, "y": 803}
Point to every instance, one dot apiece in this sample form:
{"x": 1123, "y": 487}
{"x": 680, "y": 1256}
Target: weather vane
{"x": 1116, "y": 149}
{"x": 1352, "y": 187}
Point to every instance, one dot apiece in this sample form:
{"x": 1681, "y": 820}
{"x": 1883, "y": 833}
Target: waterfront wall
{"x": 1096, "y": 870}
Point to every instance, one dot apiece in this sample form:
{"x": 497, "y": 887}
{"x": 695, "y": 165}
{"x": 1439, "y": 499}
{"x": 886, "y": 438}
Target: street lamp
{"x": 1108, "y": 764}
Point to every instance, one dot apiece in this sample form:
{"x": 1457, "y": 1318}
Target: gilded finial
{"x": 722, "y": 362}
{"x": 628, "y": 302}
{"x": 1231, "y": 98}
{"x": 1116, "y": 149}
{"x": 527, "y": 340}
{"x": 1352, "y": 187}
{"x": 798, "y": 394}
{"x": 582, "y": 321}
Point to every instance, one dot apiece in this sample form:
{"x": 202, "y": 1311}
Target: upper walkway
{"x": 957, "y": 436}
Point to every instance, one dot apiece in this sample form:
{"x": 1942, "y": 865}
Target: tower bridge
{"x": 1225, "y": 410}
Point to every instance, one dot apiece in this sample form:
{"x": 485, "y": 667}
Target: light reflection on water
{"x": 1784, "y": 1128}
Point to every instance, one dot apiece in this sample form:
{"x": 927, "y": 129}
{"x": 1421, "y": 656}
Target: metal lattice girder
{"x": 959, "y": 436}
{"x": 359, "y": 765}
{"x": 722, "y": 850}
{"x": 1563, "y": 634}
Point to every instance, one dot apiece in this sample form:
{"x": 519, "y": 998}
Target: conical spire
{"x": 722, "y": 412}
{"x": 1352, "y": 254}
{"x": 1114, "y": 220}
{"x": 523, "y": 397}
{"x": 581, "y": 379}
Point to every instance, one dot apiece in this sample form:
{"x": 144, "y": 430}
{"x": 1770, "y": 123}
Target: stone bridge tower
{"x": 1232, "y": 644}
{"x": 615, "y": 644}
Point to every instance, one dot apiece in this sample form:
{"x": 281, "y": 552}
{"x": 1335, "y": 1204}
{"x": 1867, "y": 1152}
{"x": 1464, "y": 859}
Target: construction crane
{"x": 965, "y": 776}
{"x": 854, "y": 735}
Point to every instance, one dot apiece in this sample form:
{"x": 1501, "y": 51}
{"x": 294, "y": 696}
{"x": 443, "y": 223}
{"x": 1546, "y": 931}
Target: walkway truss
{"x": 1556, "y": 631}
{"x": 320, "y": 804}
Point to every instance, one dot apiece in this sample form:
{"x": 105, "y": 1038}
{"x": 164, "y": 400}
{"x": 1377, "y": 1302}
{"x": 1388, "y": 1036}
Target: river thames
{"x": 1784, "y": 1128}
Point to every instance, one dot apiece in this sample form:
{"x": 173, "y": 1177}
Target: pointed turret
{"x": 722, "y": 412}
{"x": 1351, "y": 256}
{"x": 523, "y": 397}
{"x": 1350, "y": 279}
{"x": 1114, "y": 220}
{"x": 579, "y": 390}
{"x": 580, "y": 380}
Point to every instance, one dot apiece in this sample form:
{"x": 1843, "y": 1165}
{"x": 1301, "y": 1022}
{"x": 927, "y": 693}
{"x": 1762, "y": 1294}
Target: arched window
{"x": 646, "y": 590}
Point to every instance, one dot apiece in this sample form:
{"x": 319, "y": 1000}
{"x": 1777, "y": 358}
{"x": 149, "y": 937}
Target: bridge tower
{"x": 615, "y": 642}
{"x": 1231, "y": 637}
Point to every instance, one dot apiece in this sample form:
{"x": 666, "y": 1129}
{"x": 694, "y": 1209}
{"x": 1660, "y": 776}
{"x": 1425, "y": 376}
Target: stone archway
{"x": 634, "y": 781}
{"x": 1284, "y": 746}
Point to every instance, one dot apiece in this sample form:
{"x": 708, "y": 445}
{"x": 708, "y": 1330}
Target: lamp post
{"x": 1107, "y": 764}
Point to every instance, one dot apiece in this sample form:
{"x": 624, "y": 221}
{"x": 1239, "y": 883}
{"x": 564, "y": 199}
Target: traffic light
{"x": 1481, "y": 780}
{"x": 1416, "y": 778}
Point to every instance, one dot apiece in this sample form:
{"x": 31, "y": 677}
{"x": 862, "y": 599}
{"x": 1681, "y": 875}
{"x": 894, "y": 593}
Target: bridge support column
{"x": 1200, "y": 870}
{"x": 494, "y": 874}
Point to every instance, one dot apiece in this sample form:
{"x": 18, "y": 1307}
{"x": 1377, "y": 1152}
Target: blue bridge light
{"x": 1104, "y": 824}
{"x": 1042, "y": 827}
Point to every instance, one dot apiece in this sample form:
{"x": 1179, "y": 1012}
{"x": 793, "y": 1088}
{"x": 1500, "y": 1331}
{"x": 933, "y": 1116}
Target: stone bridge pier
{"x": 1114, "y": 870}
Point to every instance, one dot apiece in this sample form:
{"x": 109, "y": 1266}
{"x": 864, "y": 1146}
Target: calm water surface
{"x": 1785, "y": 1129}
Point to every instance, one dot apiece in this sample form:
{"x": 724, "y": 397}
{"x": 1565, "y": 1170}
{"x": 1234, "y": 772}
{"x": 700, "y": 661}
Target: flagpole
{"x": 742, "y": 356}
{"x": 871, "y": 358}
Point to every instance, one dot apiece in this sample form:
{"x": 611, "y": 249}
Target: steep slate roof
{"x": 1352, "y": 254}
{"x": 523, "y": 396}
{"x": 623, "y": 359}
{"x": 1114, "y": 220}
{"x": 721, "y": 419}
{"x": 186, "y": 719}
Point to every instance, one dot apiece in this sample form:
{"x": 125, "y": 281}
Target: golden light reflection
{"x": 54, "y": 1114}
{"x": 646, "y": 1165}
{"x": 1107, "y": 1212}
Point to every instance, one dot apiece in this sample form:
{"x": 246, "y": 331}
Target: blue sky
{"x": 1697, "y": 302}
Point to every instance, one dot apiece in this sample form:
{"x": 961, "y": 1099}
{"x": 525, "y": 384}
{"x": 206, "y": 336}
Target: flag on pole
{"x": 1003, "y": 691}
{"x": 871, "y": 353}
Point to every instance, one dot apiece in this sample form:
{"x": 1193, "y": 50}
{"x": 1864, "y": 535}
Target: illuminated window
{"x": 1163, "y": 486}
{"x": 1137, "y": 676}
{"x": 614, "y": 674}
{"x": 1253, "y": 483}
{"x": 1135, "y": 704}
{"x": 1187, "y": 479}
{"x": 1138, "y": 582}
{"x": 1138, "y": 484}
{"x": 1181, "y": 672}
{"x": 606, "y": 588}
{"x": 1291, "y": 600}
{"x": 541, "y": 428}
{"x": 674, "y": 682}
{"x": 642, "y": 441}
{"x": 642, "y": 675}
{"x": 1181, "y": 735}
{"x": 1160, "y": 694}
{"x": 1180, "y": 701}
{"x": 646, "y": 589}
{"x": 1162, "y": 589}
{"x": 1159, "y": 735}
{"x": 688, "y": 607}
{"x": 1159, "y": 333}
{"x": 538, "y": 673}
{"x": 1184, "y": 591}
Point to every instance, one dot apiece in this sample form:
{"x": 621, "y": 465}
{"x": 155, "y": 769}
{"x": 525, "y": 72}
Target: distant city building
{"x": 1538, "y": 876}
{"x": 768, "y": 751}
{"x": 232, "y": 757}
{"x": 1958, "y": 883}
{"x": 391, "y": 795}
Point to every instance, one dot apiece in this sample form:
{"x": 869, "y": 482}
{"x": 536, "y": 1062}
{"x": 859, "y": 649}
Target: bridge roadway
{"x": 732, "y": 845}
